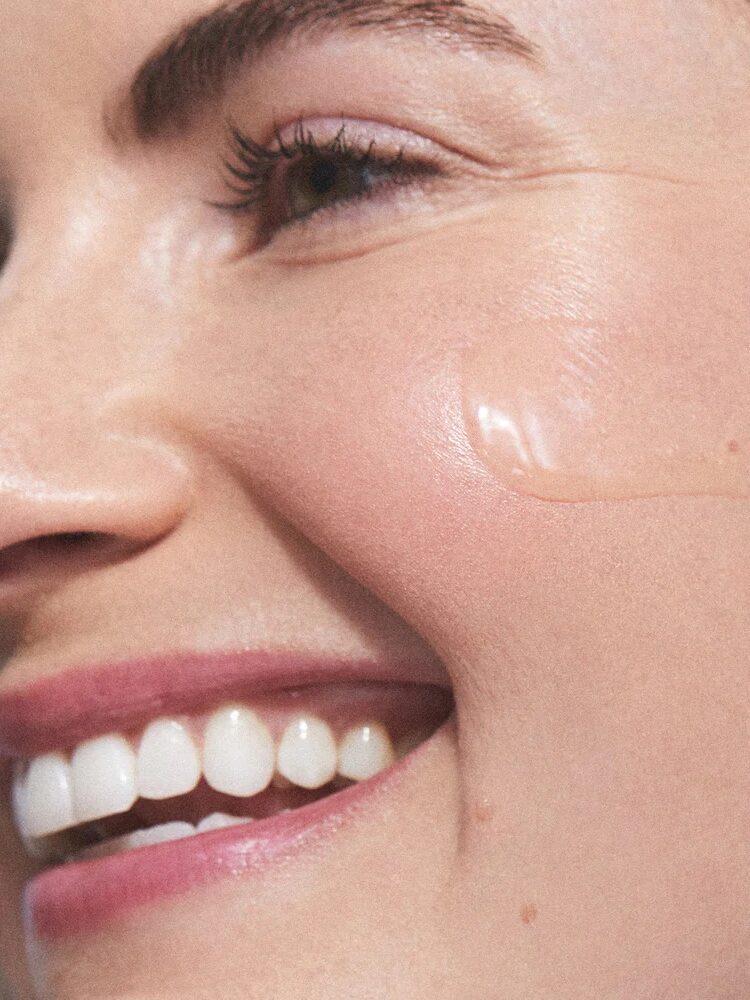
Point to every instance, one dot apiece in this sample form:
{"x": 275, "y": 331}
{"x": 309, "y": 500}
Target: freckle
{"x": 528, "y": 913}
{"x": 734, "y": 447}
{"x": 483, "y": 811}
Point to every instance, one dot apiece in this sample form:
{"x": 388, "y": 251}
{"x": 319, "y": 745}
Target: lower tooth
{"x": 160, "y": 834}
{"x": 140, "y": 838}
{"x": 219, "y": 821}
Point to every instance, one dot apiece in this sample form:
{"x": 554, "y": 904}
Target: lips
{"x": 319, "y": 744}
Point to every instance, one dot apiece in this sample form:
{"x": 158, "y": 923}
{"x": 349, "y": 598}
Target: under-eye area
{"x": 237, "y": 762}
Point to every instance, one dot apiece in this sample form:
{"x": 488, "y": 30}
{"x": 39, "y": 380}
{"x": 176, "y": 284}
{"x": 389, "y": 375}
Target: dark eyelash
{"x": 252, "y": 165}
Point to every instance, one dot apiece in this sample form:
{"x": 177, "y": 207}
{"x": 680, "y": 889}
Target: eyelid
{"x": 365, "y": 130}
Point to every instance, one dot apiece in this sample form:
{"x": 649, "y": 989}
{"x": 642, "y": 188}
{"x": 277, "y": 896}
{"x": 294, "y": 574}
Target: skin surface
{"x": 277, "y": 444}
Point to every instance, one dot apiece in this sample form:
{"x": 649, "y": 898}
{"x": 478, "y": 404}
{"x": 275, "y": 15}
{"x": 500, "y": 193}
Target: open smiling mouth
{"x": 238, "y": 763}
{"x": 140, "y": 780}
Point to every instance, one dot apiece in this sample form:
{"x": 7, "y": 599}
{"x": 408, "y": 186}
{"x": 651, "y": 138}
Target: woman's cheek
{"x": 631, "y": 385}
{"x": 548, "y": 349}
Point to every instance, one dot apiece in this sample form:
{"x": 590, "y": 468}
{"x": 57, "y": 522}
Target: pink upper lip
{"x": 60, "y": 711}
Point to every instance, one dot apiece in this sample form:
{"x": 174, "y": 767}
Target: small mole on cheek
{"x": 483, "y": 811}
{"x": 528, "y": 913}
{"x": 734, "y": 447}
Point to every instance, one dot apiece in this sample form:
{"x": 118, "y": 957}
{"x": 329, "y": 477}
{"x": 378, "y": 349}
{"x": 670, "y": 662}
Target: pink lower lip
{"x": 85, "y": 896}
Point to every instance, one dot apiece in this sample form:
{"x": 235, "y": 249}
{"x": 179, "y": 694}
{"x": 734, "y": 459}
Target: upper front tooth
{"x": 307, "y": 752}
{"x": 168, "y": 762}
{"x": 364, "y": 751}
{"x": 48, "y": 794}
{"x": 238, "y": 752}
{"x": 104, "y": 778}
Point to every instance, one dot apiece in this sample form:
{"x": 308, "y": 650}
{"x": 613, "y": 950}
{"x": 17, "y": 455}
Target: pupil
{"x": 323, "y": 177}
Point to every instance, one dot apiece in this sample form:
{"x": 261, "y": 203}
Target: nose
{"x": 78, "y": 494}
{"x": 93, "y": 467}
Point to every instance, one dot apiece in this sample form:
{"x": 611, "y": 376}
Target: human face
{"x": 294, "y": 431}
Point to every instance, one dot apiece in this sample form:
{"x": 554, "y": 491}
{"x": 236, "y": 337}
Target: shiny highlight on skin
{"x": 569, "y": 413}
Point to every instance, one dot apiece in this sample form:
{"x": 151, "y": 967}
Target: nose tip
{"x": 89, "y": 507}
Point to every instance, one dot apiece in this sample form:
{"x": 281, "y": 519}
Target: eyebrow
{"x": 195, "y": 66}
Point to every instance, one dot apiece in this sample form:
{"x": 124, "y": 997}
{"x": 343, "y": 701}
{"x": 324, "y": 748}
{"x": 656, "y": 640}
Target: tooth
{"x": 49, "y": 800}
{"x": 103, "y": 778}
{"x": 159, "y": 834}
{"x": 364, "y": 751}
{"x": 307, "y": 752}
{"x": 219, "y": 821}
{"x": 168, "y": 762}
{"x": 238, "y": 752}
{"x": 139, "y": 838}
{"x": 19, "y": 802}
{"x": 39, "y": 848}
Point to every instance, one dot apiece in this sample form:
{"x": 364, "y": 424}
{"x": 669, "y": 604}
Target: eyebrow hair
{"x": 195, "y": 65}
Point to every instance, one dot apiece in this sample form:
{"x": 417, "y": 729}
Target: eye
{"x": 296, "y": 181}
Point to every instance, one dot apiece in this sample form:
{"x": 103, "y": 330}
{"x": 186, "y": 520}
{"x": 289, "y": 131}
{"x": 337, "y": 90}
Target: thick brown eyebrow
{"x": 194, "y": 66}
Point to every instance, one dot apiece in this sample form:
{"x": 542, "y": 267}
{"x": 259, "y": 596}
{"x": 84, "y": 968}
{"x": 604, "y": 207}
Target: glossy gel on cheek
{"x": 565, "y": 412}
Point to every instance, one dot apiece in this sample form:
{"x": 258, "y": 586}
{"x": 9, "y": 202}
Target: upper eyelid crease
{"x": 193, "y": 68}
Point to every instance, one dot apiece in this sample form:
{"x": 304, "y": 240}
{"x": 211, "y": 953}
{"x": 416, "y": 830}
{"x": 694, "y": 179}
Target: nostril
{"x": 63, "y": 539}
{"x": 93, "y": 498}
{"x": 63, "y": 551}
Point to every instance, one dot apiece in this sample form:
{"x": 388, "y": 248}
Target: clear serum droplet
{"x": 569, "y": 413}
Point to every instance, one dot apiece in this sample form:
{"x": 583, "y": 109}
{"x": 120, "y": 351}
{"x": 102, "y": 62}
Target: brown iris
{"x": 314, "y": 182}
